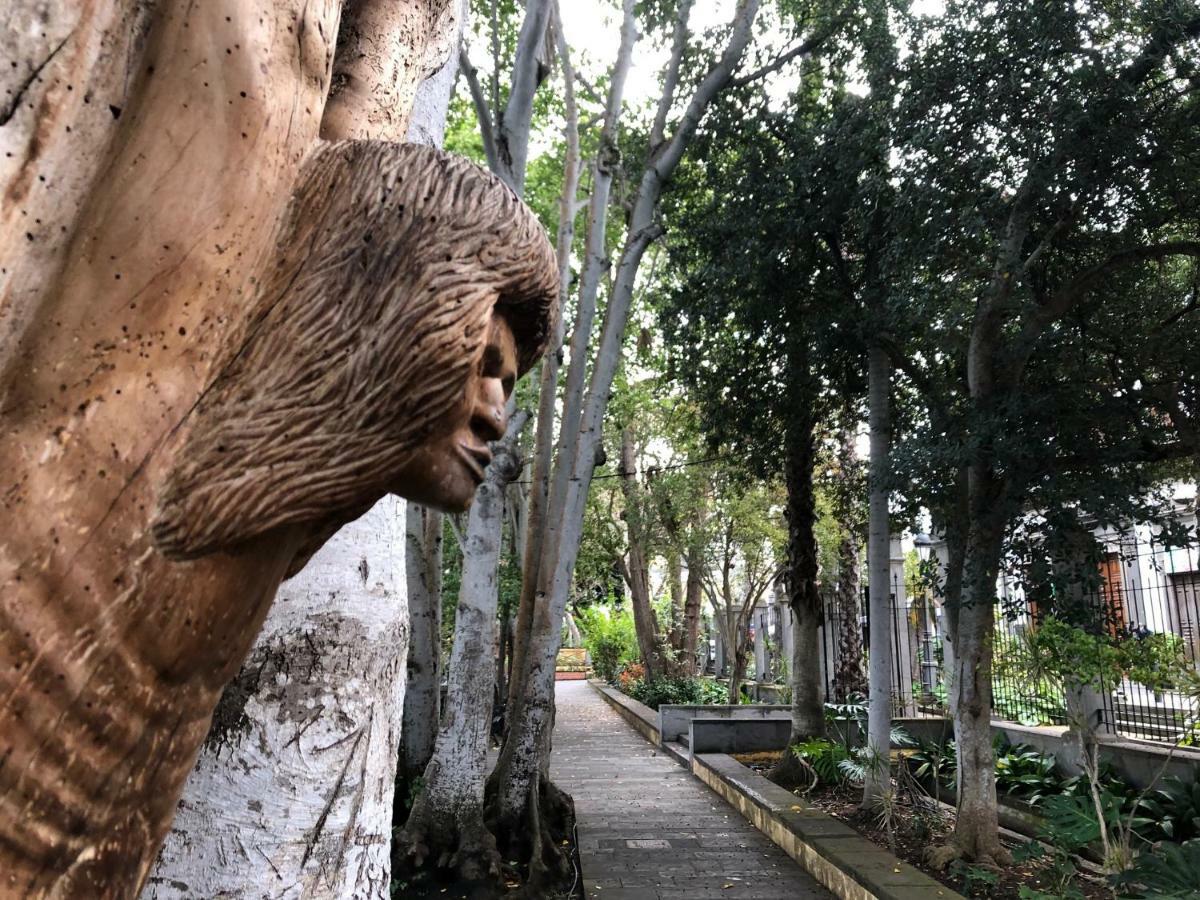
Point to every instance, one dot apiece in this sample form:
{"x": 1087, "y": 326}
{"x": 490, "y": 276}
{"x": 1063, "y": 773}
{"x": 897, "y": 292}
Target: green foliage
{"x": 1170, "y": 870}
{"x": 667, "y": 690}
{"x": 1097, "y": 656}
{"x": 825, "y": 758}
{"x": 1173, "y": 809}
{"x": 712, "y": 692}
{"x": 1026, "y": 774}
{"x": 1021, "y": 771}
{"x": 1022, "y": 688}
{"x": 933, "y": 763}
{"x": 609, "y": 638}
{"x": 975, "y": 878}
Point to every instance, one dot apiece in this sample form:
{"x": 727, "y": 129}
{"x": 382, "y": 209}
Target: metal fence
{"x": 918, "y": 685}
{"x": 1147, "y": 590}
{"x": 1141, "y": 589}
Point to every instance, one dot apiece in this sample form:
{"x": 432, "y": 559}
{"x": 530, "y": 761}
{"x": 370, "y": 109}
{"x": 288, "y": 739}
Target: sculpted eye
{"x": 492, "y": 364}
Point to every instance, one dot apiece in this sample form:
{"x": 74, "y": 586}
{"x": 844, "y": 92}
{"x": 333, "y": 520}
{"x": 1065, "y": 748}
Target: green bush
{"x": 1171, "y": 870}
{"x": 712, "y": 692}
{"x": 609, "y": 639}
{"x": 1174, "y": 810}
{"x": 656, "y": 692}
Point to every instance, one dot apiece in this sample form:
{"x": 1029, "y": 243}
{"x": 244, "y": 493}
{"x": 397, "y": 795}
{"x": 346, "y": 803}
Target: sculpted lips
{"x": 475, "y": 458}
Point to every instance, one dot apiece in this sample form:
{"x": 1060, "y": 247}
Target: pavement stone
{"x": 649, "y": 830}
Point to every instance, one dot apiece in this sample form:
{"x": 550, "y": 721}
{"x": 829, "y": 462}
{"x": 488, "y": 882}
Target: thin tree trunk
{"x": 804, "y": 600}
{"x": 513, "y": 791}
{"x": 674, "y": 661}
{"x": 877, "y": 782}
{"x": 446, "y": 823}
{"x": 737, "y": 674}
{"x": 518, "y": 772}
{"x": 851, "y": 677}
{"x": 693, "y": 603}
{"x": 539, "y": 487}
{"x": 637, "y": 567}
{"x": 422, "y": 698}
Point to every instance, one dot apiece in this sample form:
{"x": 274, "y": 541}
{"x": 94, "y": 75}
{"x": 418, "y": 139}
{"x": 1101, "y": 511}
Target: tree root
{"x": 790, "y": 773}
{"x": 460, "y": 848}
{"x": 542, "y": 839}
{"x": 992, "y": 856}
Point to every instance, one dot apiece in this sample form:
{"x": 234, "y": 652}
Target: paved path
{"x": 647, "y": 828}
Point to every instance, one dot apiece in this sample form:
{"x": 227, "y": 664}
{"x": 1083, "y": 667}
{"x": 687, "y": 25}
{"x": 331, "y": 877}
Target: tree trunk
{"x": 637, "y": 567}
{"x": 674, "y": 661}
{"x": 131, "y": 130}
{"x": 422, "y": 697}
{"x": 535, "y": 520}
{"x": 877, "y": 782}
{"x": 693, "y": 604}
{"x": 808, "y": 711}
{"x": 850, "y": 679}
{"x": 318, "y": 751}
{"x": 515, "y": 806}
{"x": 737, "y": 673}
{"x": 446, "y": 823}
{"x": 293, "y": 788}
{"x": 976, "y": 832}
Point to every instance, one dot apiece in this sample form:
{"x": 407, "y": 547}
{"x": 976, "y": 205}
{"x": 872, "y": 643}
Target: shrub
{"x": 1023, "y": 772}
{"x": 609, "y": 639}
{"x": 631, "y": 674}
{"x": 1171, "y": 870}
{"x": 712, "y": 692}
{"x": 656, "y": 692}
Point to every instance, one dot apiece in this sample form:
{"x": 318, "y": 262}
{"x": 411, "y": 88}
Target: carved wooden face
{"x": 401, "y": 276}
{"x": 445, "y": 471}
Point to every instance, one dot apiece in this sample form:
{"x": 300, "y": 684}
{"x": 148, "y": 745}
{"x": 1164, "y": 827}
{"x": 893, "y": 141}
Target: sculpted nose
{"x": 490, "y": 419}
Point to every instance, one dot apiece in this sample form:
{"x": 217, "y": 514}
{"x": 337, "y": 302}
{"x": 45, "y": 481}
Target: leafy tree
{"x": 1047, "y": 170}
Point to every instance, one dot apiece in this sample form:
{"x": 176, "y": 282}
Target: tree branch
{"x": 1065, "y": 298}
{"x": 527, "y": 75}
{"x": 482, "y": 112}
{"x": 804, "y": 48}
{"x": 671, "y": 79}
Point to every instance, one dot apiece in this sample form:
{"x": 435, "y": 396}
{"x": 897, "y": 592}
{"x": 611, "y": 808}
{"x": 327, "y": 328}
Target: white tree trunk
{"x": 447, "y": 818}
{"x": 422, "y": 701}
{"x": 521, "y": 760}
{"x": 879, "y": 715}
{"x": 292, "y": 793}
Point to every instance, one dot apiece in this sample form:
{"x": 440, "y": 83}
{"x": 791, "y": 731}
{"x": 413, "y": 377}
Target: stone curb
{"x": 851, "y": 866}
{"x": 643, "y": 719}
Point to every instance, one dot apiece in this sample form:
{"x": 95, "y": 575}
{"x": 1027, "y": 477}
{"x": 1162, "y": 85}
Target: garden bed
{"x": 914, "y": 832}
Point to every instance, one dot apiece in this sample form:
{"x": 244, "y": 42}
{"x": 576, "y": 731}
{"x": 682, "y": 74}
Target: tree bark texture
{"x": 292, "y": 793}
{"x": 976, "y": 832}
{"x": 111, "y": 302}
{"x": 422, "y": 698}
{"x": 692, "y": 604}
{"x": 850, "y": 679}
{"x": 878, "y": 781}
{"x": 337, "y": 768}
{"x": 446, "y": 822}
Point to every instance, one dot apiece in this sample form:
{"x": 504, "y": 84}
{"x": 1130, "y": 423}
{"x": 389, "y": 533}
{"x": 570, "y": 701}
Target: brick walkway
{"x": 647, "y": 828}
